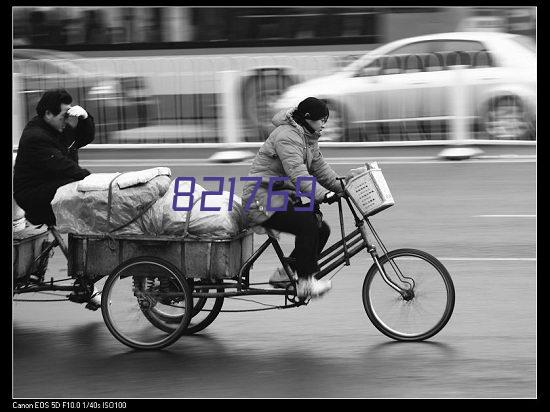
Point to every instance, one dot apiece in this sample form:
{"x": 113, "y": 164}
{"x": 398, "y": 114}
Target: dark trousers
{"x": 311, "y": 233}
{"x": 36, "y": 202}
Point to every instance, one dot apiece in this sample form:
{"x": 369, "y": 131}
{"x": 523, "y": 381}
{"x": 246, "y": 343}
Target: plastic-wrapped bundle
{"x": 162, "y": 219}
{"x": 221, "y": 223}
{"x": 109, "y": 202}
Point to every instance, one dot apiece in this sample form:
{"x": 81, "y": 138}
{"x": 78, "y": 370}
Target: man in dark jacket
{"x": 47, "y": 156}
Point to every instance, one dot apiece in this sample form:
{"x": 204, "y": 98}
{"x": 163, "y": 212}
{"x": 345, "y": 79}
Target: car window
{"x": 392, "y": 64}
{"x": 433, "y": 62}
{"x": 412, "y": 63}
{"x": 461, "y": 45}
{"x": 465, "y": 52}
{"x": 482, "y": 58}
{"x": 404, "y": 63}
{"x": 419, "y": 47}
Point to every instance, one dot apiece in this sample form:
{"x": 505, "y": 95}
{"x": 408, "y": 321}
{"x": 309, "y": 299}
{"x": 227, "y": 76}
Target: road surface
{"x": 478, "y": 217}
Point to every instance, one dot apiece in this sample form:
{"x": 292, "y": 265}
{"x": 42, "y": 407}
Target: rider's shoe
{"x": 95, "y": 301}
{"x": 311, "y": 287}
{"x": 279, "y": 278}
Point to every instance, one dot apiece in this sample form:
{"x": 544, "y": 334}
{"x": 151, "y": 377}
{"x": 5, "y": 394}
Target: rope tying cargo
{"x": 111, "y": 241}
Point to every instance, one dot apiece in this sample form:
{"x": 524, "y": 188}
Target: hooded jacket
{"x": 289, "y": 151}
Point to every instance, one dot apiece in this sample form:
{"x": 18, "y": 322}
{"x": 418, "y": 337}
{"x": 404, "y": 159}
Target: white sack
{"x": 162, "y": 219}
{"x": 86, "y": 212}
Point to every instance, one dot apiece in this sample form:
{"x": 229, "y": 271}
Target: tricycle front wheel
{"x": 425, "y": 303}
{"x": 136, "y": 292}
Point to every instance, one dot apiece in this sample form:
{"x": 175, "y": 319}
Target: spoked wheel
{"x": 506, "y": 119}
{"x": 205, "y": 311}
{"x": 259, "y": 93}
{"x": 136, "y": 293}
{"x": 427, "y": 301}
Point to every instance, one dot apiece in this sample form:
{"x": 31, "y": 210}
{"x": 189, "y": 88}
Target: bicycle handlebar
{"x": 342, "y": 180}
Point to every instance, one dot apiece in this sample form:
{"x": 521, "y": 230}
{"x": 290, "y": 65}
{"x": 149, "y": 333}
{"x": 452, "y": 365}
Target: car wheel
{"x": 259, "y": 93}
{"x": 507, "y": 119}
{"x": 335, "y": 128}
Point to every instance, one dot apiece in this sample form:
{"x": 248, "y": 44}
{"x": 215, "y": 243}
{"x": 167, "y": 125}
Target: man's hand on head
{"x": 73, "y": 114}
{"x": 77, "y": 111}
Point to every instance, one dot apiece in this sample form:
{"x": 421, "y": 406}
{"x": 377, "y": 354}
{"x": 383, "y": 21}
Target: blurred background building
{"x": 96, "y": 28}
{"x": 175, "y": 74}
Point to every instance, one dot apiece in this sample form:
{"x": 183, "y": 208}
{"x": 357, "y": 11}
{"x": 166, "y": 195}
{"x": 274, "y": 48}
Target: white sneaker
{"x": 312, "y": 287}
{"x": 279, "y": 278}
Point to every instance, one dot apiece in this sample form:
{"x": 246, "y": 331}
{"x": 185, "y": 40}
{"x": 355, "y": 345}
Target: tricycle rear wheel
{"x": 167, "y": 322}
{"x": 197, "y": 324}
{"x": 135, "y": 291}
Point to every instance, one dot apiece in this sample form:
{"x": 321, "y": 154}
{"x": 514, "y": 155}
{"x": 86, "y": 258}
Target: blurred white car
{"x": 408, "y": 85}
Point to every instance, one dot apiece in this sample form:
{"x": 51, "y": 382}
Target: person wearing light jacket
{"x": 292, "y": 150}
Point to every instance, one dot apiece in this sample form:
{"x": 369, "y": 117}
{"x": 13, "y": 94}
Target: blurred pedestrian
{"x": 47, "y": 156}
{"x": 292, "y": 150}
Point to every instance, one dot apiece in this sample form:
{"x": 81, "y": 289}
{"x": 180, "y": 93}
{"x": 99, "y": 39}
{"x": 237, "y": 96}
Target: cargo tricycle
{"x": 160, "y": 288}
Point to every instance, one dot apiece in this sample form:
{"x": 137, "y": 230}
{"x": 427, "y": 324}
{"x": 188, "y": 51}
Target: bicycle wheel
{"x": 205, "y": 311}
{"x": 428, "y": 303}
{"x": 135, "y": 292}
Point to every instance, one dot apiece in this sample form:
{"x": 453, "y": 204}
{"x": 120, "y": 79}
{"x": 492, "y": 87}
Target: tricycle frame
{"x": 335, "y": 255}
{"x": 331, "y": 258}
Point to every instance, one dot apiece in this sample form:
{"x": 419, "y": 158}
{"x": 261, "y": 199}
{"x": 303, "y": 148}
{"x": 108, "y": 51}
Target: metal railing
{"x": 186, "y": 99}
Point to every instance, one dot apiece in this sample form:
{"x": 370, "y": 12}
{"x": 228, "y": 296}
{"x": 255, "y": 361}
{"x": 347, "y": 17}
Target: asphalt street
{"x": 478, "y": 217}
